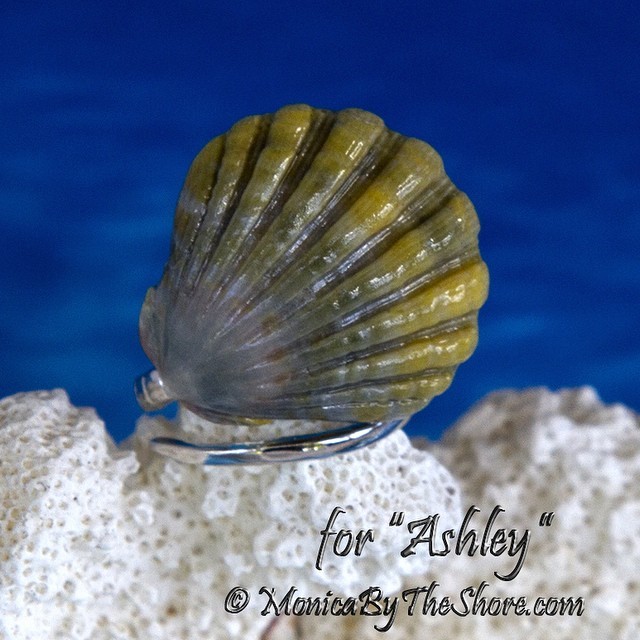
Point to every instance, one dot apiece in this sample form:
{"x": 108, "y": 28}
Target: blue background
{"x": 533, "y": 106}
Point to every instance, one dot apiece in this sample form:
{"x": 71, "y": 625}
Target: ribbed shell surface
{"x": 322, "y": 267}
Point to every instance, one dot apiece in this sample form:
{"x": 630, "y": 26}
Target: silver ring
{"x": 311, "y": 446}
{"x": 285, "y": 449}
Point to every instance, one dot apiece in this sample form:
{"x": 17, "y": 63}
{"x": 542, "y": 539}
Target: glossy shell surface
{"x": 321, "y": 267}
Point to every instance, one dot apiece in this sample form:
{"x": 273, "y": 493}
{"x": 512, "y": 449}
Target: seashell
{"x": 322, "y": 267}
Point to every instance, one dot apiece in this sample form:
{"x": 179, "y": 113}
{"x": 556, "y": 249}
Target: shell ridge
{"x": 319, "y": 129}
{"x": 364, "y": 255}
{"x": 349, "y": 323}
{"x": 312, "y": 351}
{"x": 466, "y": 254}
{"x": 324, "y": 268}
{"x": 230, "y": 284}
{"x": 366, "y": 403}
{"x": 261, "y": 295}
{"x": 363, "y": 312}
{"x": 213, "y": 240}
{"x": 210, "y": 228}
{"x": 314, "y": 392}
{"x": 375, "y": 245}
{"x": 380, "y": 304}
{"x": 368, "y": 252}
{"x": 322, "y": 223}
{"x": 416, "y": 361}
{"x": 318, "y": 189}
{"x": 282, "y": 343}
{"x": 184, "y": 254}
{"x": 441, "y": 328}
{"x": 358, "y": 181}
{"x": 155, "y": 306}
{"x": 306, "y": 237}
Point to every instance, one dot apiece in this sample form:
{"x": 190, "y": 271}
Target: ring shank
{"x": 284, "y": 449}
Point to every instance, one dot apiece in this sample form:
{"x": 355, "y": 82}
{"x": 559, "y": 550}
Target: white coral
{"x": 531, "y": 453}
{"x": 94, "y": 545}
{"x": 98, "y": 542}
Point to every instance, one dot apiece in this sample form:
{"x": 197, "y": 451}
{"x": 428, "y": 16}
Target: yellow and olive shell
{"x": 322, "y": 267}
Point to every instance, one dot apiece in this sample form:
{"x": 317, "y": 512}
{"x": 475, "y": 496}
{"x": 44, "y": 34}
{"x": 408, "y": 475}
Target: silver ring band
{"x": 152, "y": 395}
{"x": 285, "y": 449}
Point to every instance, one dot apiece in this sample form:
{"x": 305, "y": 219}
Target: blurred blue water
{"x": 533, "y": 106}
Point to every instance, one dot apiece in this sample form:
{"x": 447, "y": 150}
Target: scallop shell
{"x": 322, "y": 267}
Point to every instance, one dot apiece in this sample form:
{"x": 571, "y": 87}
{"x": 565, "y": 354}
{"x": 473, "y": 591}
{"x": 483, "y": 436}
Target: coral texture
{"x": 535, "y": 452}
{"x": 99, "y": 543}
